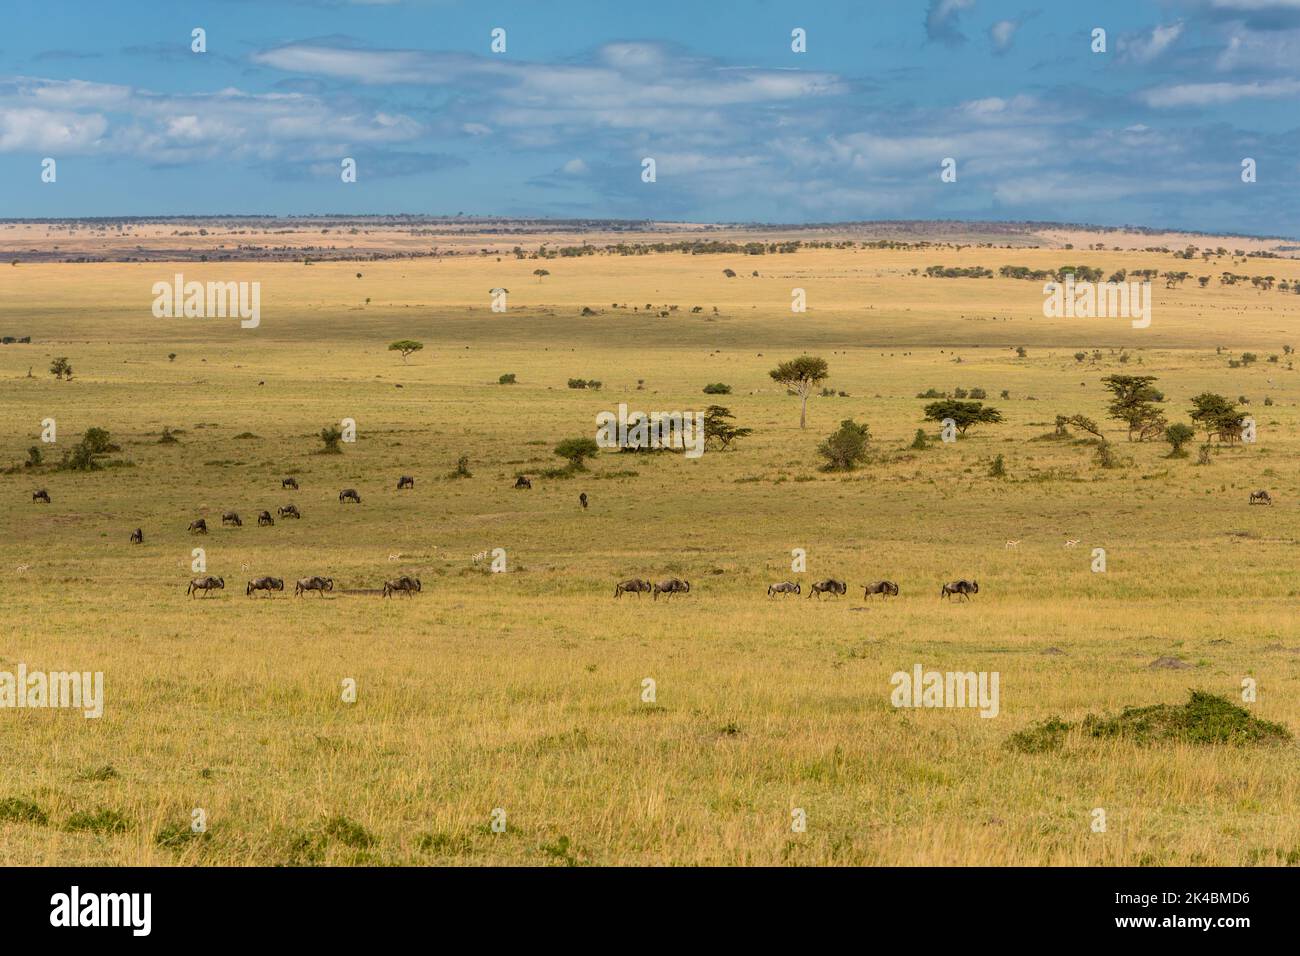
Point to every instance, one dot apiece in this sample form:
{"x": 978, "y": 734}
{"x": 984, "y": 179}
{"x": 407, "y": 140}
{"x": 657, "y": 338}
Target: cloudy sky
{"x": 742, "y": 128}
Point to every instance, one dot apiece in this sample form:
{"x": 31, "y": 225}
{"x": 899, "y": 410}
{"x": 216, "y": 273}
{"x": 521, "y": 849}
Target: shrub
{"x": 717, "y": 388}
{"x": 507, "y": 379}
{"x": 846, "y": 447}
{"x": 330, "y": 437}
{"x": 998, "y": 469}
{"x": 577, "y": 450}
{"x": 462, "y": 468}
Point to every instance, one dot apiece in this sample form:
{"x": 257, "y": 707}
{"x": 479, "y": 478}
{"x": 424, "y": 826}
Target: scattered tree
{"x": 407, "y": 347}
{"x": 801, "y": 375}
{"x": 577, "y": 451}
{"x": 718, "y": 427}
{"x": 845, "y": 447}
{"x": 964, "y": 414}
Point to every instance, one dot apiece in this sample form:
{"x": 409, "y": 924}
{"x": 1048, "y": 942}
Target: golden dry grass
{"x": 522, "y": 690}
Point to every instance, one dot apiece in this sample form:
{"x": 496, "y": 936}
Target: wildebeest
{"x": 887, "y": 588}
{"x": 289, "y": 483}
{"x": 137, "y": 536}
{"x": 405, "y": 481}
{"x": 199, "y": 527}
{"x": 230, "y": 517}
{"x": 205, "y": 584}
{"x": 785, "y": 587}
{"x": 828, "y": 586}
{"x": 672, "y": 586}
{"x": 349, "y": 494}
{"x": 1261, "y": 497}
{"x": 523, "y": 482}
{"x": 264, "y": 584}
{"x": 962, "y": 588}
{"x": 313, "y": 584}
{"x": 583, "y": 499}
{"x": 631, "y": 586}
{"x": 405, "y": 583}
{"x": 264, "y": 520}
{"x": 289, "y": 511}
{"x": 41, "y": 495}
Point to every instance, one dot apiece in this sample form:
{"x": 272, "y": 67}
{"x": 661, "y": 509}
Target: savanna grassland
{"x": 522, "y": 690}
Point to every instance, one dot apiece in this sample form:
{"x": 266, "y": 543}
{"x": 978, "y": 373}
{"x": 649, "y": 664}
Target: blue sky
{"x": 1151, "y": 132}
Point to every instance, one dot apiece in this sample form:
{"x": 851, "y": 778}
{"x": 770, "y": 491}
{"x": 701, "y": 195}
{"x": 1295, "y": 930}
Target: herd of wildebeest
{"x": 409, "y": 585}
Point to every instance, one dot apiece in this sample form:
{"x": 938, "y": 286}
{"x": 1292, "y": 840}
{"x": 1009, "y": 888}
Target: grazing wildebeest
{"x": 1261, "y": 497}
{"x": 199, "y": 527}
{"x": 583, "y": 498}
{"x": 405, "y": 583}
{"x": 289, "y": 511}
{"x": 41, "y": 495}
{"x": 405, "y": 481}
{"x": 349, "y": 494}
{"x": 289, "y": 483}
{"x": 137, "y": 536}
{"x": 231, "y": 517}
{"x": 313, "y": 584}
{"x": 828, "y": 586}
{"x": 886, "y": 588}
{"x": 632, "y": 586}
{"x": 672, "y": 586}
{"x": 962, "y": 588}
{"x": 205, "y": 584}
{"x": 523, "y": 482}
{"x": 264, "y": 584}
{"x": 264, "y": 520}
{"x": 785, "y": 587}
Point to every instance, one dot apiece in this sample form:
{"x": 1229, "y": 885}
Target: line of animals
{"x": 638, "y": 586}
{"x": 404, "y": 585}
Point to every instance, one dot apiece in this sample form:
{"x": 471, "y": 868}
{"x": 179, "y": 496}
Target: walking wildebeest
{"x": 41, "y": 495}
{"x": 886, "y": 588}
{"x": 313, "y": 584}
{"x": 349, "y": 494}
{"x": 230, "y": 517}
{"x": 199, "y": 527}
{"x": 962, "y": 588}
{"x": 405, "y": 481}
{"x": 523, "y": 482}
{"x": 289, "y": 483}
{"x": 405, "y": 583}
{"x": 631, "y": 586}
{"x": 828, "y": 586}
{"x": 289, "y": 511}
{"x": 264, "y": 520}
{"x": 785, "y": 587}
{"x": 137, "y": 536}
{"x": 205, "y": 584}
{"x": 1261, "y": 497}
{"x": 672, "y": 586}
{"x": 264, "y": 584}
{"x": 583, "y": 499}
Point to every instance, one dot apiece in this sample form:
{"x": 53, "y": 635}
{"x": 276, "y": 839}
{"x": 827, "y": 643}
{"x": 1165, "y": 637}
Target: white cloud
{"x": 1144, "y": 49}
{"x": 1214, "y": 94}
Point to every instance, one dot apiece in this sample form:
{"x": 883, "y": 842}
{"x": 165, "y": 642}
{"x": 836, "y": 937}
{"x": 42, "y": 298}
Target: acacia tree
{"x": 1218, "y": 416}
{"x": 577, "y": 451}
{"x": 61, "y": 367}
{"x": 963, "y": 414}
{"x": 406, "y": 347}
{"x": 1134, "y": 404}
{"x": 802, "y": 374}
{"x": 718, "y": 427}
